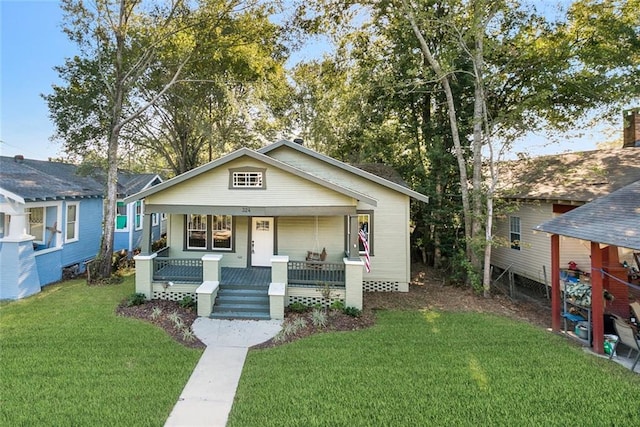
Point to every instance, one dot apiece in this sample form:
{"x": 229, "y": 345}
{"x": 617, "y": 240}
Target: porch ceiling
{"x": 252, "y": 210}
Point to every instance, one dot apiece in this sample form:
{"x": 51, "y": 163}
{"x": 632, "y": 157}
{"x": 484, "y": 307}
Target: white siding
{"x": 535, "y": 247}
{"x": 297, "y": 235}
{"x": 391, "y": 260}
{"x": 237, "y": 258}
{"x": 283, "y": 189}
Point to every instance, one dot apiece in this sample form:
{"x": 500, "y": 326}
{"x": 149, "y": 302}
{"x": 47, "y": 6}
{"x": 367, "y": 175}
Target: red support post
{"x": 556, "y": 305}
{"x": 597, "y": 300}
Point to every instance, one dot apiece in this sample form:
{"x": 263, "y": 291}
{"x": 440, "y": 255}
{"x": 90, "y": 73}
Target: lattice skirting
{"x": 173, "y": 296}
{"x": 380, "y": 286}
{"x": 312, "y": 296}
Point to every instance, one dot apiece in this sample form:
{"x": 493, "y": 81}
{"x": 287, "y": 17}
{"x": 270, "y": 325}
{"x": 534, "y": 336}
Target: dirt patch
{"x": 426, "y": 291}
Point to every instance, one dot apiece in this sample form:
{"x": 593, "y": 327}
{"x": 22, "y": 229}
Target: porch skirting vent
{"x": 173, "y": 295}
{"x": 380, "y": 286}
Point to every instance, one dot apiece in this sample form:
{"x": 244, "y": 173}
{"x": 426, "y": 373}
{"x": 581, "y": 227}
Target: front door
{"x": 261, "y": 241}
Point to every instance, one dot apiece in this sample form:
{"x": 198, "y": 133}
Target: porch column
{"x": 597, "y": 300}
{"x": 145, "y": 244}
{"x": 211, "y": 267}
{"x": 353, "y": 282}
{"x": 18, "y": 226}
{"x": 144, "y": 274}
{"x": 279, "y": 269}
{"x": 354, "y": 246}
{"x": 556, "y": 300}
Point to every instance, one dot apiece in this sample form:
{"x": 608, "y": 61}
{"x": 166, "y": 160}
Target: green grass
{"x": 429, "y": 368}
{"x": 67, "y": 359}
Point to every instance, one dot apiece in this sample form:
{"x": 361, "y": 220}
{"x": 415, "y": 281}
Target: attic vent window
{"x": 247, "y": 178}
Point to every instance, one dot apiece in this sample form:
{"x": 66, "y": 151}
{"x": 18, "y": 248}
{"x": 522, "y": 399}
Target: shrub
{"x": 298, "y": 307}
{"x": 337, "y": 305}
{"x": 318, "y": 318}
{"x": 188, "y": 335}
{"x": 156, "y": 312}
{"x": 187, "y": 302}
{"x": 136, "y": 299}
{"x": 176, "y": 319}
{"x": 352, "y": 311}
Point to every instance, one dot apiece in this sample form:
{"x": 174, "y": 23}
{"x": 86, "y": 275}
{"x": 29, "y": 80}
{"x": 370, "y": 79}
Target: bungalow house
{"x": 129, "y": 217}
{"x": 606, "y": 224}
{"x": 254, "y": 231}
{"x": 539, "y": 189}
{"x": 51, "y": 221}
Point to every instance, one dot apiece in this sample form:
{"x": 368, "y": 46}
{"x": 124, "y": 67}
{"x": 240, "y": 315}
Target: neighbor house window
{"x": 121, "y": 216}
{"x": 365, "y": 223}
{"x": 36, "y": 223}
{"x": 209, "y": 232}
{"x": 138, "y": 219}
{"x": 154, "y": 219}
{"x": 514, "y": 232}
{"x": 247, "y": 178}
{"x": 72, "y": 223}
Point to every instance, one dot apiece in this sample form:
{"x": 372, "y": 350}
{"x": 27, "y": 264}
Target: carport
{"x": 608, "y": 223}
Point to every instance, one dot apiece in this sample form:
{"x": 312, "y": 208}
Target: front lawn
{"x": 430, "y": 368}
{"x": 68, "y": 359}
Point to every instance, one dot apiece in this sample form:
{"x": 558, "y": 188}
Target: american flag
{"x": 365, "y": 244}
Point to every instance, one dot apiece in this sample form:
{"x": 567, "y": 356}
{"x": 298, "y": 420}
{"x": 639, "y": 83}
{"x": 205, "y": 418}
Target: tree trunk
{"x": 443, "y": 79}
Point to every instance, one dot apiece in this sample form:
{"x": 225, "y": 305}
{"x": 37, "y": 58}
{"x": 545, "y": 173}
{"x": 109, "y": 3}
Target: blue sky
{"x": 32, "y": 43}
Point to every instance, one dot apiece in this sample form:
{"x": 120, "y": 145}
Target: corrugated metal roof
{"x": 613, "y": 219}
{"x": 579, "y": 177}
{"x": 41, "y": 180}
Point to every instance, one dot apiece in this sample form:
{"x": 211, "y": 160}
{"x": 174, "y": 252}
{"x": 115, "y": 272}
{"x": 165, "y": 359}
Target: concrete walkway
{"x": 207, "y": 398}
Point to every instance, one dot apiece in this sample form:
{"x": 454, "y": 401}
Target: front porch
{"x": 283, "y": 283}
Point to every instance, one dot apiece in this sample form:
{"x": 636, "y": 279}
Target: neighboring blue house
{"x": 129, "y": 218}
{"x": 51, "y": 220}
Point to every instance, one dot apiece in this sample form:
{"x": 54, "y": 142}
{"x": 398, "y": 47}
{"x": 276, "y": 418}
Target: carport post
{"x": 597, "y": 300}
{"x": 555, "y": 283}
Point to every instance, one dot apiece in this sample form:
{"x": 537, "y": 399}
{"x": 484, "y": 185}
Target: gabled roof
{"x": 352, "y": 169}
{"x": 245, "y": 152}
{"x": 131, "y": 183}
{"x": 43, "y": 180}
{"x": 613, "y": 219}
{"x": 579, "y": 177}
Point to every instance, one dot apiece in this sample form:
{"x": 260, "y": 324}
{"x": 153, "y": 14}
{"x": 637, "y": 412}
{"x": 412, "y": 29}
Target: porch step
{"x": 242, "y": 302}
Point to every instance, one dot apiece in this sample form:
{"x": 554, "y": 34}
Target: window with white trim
{"x": 154, "y": 219}
{"x": 138, "y": 215}
{"x": 248, "y": 178}
{"x": 72, "y": 222}
{"x": 121, "y": 215}
{"x": 36, "y": 223}
{"x": 197, "y": 232}
{"x": 221, "y": 228}
{"x": 514, "y": 232}
{"x": 209, "y": 232}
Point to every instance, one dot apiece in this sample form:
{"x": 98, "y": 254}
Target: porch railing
{"x": 177, "y": 269}
{"x": 315, "y": 273}
{"x": 163, "y": 252}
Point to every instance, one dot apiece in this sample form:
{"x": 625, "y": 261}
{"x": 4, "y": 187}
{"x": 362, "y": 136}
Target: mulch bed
{"x": 426, "y": 291}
